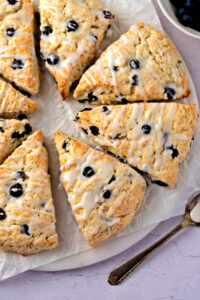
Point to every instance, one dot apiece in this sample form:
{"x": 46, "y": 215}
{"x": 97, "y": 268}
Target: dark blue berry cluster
{"x": 188, "y": 12}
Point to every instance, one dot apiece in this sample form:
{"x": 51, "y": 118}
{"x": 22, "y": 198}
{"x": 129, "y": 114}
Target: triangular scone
{"x": 152, "y": 137}
{"x": 18, "y": 62}
{"x": 12, "y": 134}
{"x": 142, "y": 65}
{"x": 72, "y": 32}
{"x": 27, "y": 216}
{"x": 13, "y": 103}
{"x": 104, "y": 194}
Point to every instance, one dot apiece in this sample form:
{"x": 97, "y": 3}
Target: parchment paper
{"x": 53, "y": 114}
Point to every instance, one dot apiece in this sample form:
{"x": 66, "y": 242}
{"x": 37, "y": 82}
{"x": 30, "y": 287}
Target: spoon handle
{"x": 119, "y": 274}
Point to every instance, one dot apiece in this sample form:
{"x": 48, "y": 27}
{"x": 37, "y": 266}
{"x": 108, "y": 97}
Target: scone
{"x": 13, "y": 103}
{"x": 12, "y": 134}
{"x": 18, "y": 62}
{"x": 152, "y": 137}
{"x": 27, "y": 216}
{"x": 142, "y": 65}
{"x": 104, "y": 194}
{"x": 71, "y": 33}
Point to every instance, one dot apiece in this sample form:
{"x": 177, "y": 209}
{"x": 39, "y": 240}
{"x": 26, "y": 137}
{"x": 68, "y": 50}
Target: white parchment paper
{"x": 53, "y": 114}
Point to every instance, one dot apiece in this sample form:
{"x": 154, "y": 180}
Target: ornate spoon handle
{"x": 119, "y": 274}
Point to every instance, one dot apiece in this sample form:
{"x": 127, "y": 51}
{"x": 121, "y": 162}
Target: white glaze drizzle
{"x": 30, "y": 200}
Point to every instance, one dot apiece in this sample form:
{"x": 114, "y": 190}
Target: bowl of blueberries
{"x": 184, "y": 14}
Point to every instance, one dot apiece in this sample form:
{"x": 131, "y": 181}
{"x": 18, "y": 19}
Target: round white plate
{"x": 113, "y": 246}
{"x": 95, "y": 255}
{"x": 168, "y": 10}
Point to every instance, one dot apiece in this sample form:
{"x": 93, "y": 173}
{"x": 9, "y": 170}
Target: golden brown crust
{"x": 13, "y": 103}
{"x": 104, "y": 194}
{"x": 27, "y": 222}
{"x": 169, "y": 131}
{"x": 12, "y": 134}
{"x": 76, "y": 48}
{"x": 141, "y": 65}
{"x": 18, "y": 62}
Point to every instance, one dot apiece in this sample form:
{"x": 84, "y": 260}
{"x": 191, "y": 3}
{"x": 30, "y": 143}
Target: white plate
{"x": 95, "y": 255}
{"x": 168, "y": 10}
{"x": 112, "y": 247}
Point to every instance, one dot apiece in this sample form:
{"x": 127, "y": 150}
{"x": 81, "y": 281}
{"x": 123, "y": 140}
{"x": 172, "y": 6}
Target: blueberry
{"x": 88, "y": 172}
{"x": 64, "y": 145}
{"x": 86, "y": 109}
{"x": 10, "y": 31}
{"x": 28, "y": 129}
{"x": 52, "y": 59}
{"x": 104, "y": 109}
{"x": 124, "y": 101}
{"x": 72, "y": 25}
{"x": 170, "y": 93}
{"x": 189, "y": 4}
{"x": 12, "y": 2}
{"x": 16, "y": 135}
{"x": 47, "y": 30}
{"x": 161, "y": 183}
{"x": 2, "y": 130}
{"x": 134, "y": 64}
{"x": 106, "y": 194}
{"x": 20, "y": 174}
{"x": 43, "y": 204}
{"x": 115, "y": 68}
{"x": 17, "y": 64}
{"x": 92, "y": 97}
{"x": 113, "y": 178}
{"x": 177, "y": 3}
{"x": 94, "y": 130}
{"x": 175, "y": 152}
{"x": 186, "y": 20}
{"x": 108, "y": 14}
{"x": 2, "y": 214}
{"x": 24, "y": 229}
{"x": 135, "y": 80}
{"x": 82, "y": 100}
{"x": 146, "y": 128}
{"x": 22, "y": 117}
{"x": 16, "y": 190}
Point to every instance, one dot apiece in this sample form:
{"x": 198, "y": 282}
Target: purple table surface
{"x": 172, "y": 273}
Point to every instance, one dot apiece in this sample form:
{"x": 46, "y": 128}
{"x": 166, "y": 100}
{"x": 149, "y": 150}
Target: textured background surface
{"x": 173, "y": 273}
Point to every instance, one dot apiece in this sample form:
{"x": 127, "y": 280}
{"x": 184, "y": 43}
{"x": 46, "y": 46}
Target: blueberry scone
{"x": 12, "y": 134}
{"x": 142, "y": 65}
{"x": 27, "y": 216}
{"x": 18, "y": 62}
{"x": 104, "y": 194}
{"x": 152, "y": 137}
{"x": 72, "y": 31}
{"x": 13, "y": 103}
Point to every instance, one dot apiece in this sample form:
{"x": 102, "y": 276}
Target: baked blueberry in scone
{"x": 71, "y": 33}
{"x": 12, "y": 134}
{"x": 104, "y": 194}
{"x": 18, "y": 62}
{"x": 13, "y": 103}
{"x": 142, "y": 65}
{"x": 152, "y": 137}
{"x": 27, "y": 216}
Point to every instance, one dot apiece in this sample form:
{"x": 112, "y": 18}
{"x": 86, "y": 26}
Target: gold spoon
{"x": 119, "y": 274}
